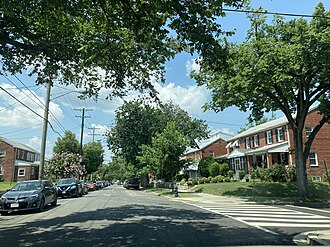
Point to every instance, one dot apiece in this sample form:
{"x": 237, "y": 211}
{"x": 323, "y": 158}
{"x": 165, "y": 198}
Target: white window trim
{"x": 316, "y": 160}
{"x": 247, "y": 142}
{"x": 279, "y": 136}
{"x": 307, "y": 135}
{"x": 21, "y": 169}
{"x": 269, "y": 137}
{"x": 256, "y": 140}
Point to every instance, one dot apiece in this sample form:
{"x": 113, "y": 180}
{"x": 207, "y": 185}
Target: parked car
{"x": 91, "y": 186}
{"x": 84, "y": 187}
{"x": 99, "y": 185}
{"x": 70, "y": 187}
{"x": 28, "y": 195}
{"x": 132, "y": 183}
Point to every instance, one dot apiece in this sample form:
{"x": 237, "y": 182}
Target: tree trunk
{"x": 302, "y": 182}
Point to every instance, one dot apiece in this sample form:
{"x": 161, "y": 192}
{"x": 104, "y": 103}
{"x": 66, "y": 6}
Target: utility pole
{"x": 44, "y": 132}
{"x": 93, "y": 134}
{"x": 82, "y": 125}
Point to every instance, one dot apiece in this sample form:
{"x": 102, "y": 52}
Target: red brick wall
{"x": 320, "y": 146}
{"x": 8, "y": 161}
{"x": 218, "y": 147}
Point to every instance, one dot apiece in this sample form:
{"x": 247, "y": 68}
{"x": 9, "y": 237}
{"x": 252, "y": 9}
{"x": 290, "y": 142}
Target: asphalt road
{"x": 115, "y": 216}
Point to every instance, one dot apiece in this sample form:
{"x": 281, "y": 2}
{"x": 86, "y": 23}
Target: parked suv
{"x": 132, "y": 183}
{"x": 28, "y": 195}
{"x": 70, "y": 187}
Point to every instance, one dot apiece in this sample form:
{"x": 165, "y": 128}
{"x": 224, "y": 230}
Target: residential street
{"x": 118, "y": 217}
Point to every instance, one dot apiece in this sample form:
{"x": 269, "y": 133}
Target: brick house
{"x": 270, "y": 143}
{"x": 18, "y": 162}
{"x": 214, "y": 146}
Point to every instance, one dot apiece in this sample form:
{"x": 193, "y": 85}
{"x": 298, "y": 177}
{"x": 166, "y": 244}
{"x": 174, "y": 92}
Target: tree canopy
{"x": 92, "y": 156}
{"x": 162, "y": 156}
{"x": 129, "y": 41}
{"x": 281, "y": 65}
{"x": 68, "y": 144}
{"x": 137, "y": 122}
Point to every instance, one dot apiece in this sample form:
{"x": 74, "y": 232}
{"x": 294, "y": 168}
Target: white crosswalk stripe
{"x": 264, "y": 216}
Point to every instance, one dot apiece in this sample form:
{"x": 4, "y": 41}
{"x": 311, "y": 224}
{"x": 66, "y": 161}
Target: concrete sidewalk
{"x": 321, "y": 237}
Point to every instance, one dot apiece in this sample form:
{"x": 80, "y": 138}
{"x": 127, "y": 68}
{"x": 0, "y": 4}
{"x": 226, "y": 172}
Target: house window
{"x": 280, "y": 134}
{"x": 21, "y": 172}
{"x": 237, "y": 143}
{"x": 2, "y": 153}
{"x": 32, "y": 171}
{"x": 269, "y": 137}
{"x": 316, "y": 178}
{"x": 247, "y": 142}
{"x": 211, "y": 153}
{"x": 313, "y": 159}
{"x": 283, "y": 158}
{"x": 308, "y": 130}
{"x": 256, "y": 140}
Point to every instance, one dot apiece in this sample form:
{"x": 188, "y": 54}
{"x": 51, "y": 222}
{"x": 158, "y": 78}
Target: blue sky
{"x": 19, "y": 124}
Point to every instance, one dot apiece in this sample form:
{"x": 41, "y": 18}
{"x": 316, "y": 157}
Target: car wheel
{"x": 54, "y": 203}
{"x": 42, "y": 205}
{"x": 4, "y": 213}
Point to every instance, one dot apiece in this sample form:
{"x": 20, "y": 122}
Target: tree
{"x": 65, "y": 165}
{"x": 282, "y": 65}
{"x": 92, "y": 156}
{"x": 204, "y": 164}
{"x": 138, "y": 122}
{"x": 163, "y": 155}
{"x": 129, "y": 40}
{"x": 68, "y": 144}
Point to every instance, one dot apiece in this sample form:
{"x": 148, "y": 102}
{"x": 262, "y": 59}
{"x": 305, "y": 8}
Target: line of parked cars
{"x": 36, "y": 194}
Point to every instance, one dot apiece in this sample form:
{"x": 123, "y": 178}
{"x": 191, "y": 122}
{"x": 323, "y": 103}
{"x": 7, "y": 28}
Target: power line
{"x": 29, "y": 109}
{"x": 274, "y": 13}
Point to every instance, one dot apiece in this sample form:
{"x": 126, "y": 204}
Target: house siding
{"x": 320, "y": 145}
{"x": 13, "y": 157}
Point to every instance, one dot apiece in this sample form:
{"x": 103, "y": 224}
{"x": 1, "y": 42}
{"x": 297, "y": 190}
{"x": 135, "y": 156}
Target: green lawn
{"x": 261, "y": 191}
{"x": 6, "y": 185}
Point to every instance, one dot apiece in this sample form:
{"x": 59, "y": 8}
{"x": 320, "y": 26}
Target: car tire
{"x": 42, "y": 205}
{"x": 4, "y": 213}
{"x": 54, "y": 203}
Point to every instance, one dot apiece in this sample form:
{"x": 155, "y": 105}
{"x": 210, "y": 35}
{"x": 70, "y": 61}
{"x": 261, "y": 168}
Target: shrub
{"x": 214, "y": 169}
{"x": 201, "y": 180}
{"x": 262, "y": 174}
{"x": 230, "y": 173}
{"x": 253, "y": 174}
{"x": 214, "y": 180}
{"x": 227, "y": 179}
{"x": 220, "y": 178}
{"x": 204, "y": 165}
{"x": 194, "y": 181}
{"x": 277, "y": 173}
{"x": 291, "y": 173}
{"x": 223, "y": 169}
{"x": 1, "y": 178}
{"x": 241, "y": 174}
{"x": 207, "y": 180}
{"x": 179, "y": 177}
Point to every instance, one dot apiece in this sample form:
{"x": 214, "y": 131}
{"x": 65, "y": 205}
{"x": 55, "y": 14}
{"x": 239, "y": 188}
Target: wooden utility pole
{"x": 93, "y": 134}
{"x": 82, "y": 125}
{"x": 44, "y": 132}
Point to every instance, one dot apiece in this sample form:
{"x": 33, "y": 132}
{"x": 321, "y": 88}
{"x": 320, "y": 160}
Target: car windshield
{"x": 27, "y": 186}
{"x": 67, "y": 181}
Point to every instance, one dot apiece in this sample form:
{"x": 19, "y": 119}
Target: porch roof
{"x": 275, "y": 148}
{"x": 237, "y": 153}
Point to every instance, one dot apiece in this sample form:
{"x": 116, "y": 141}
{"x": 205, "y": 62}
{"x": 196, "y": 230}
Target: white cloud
{"x": 189, "y": 98}
{"x": 35, "y": 143}
{"x": 16, "y": 114}
{"x": 191, "y": 65}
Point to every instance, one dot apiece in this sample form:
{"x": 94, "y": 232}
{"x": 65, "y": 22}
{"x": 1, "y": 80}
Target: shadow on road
{"x": 136, "y": 225}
